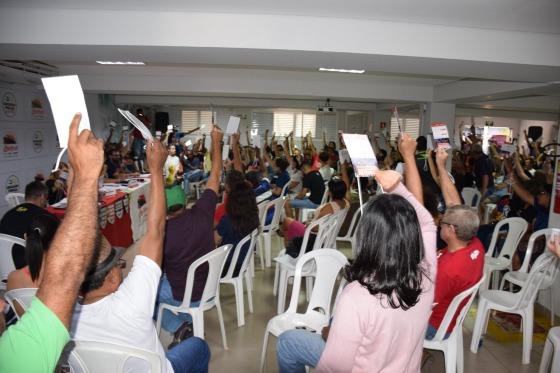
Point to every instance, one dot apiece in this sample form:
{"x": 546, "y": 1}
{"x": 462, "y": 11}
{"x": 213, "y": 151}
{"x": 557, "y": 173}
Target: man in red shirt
{"x": 461, "y": 263}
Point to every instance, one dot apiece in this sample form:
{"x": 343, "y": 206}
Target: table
{"x": 114, "y": 219}
{"x": 123, "y": 215}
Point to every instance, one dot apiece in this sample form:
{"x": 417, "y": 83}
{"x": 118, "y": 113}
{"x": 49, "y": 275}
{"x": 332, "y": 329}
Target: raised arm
{"x": 72, "y": 248}
{"x": 450, "y": 194}
{"x": 519, "y": 169}
{"x": 213, "y": 182}
{"x": 237, "y": 164}
{"x": 152, "y": 242}
{"x": 407, "y": 147}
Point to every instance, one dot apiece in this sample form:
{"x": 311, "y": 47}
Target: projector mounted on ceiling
{"x": 327, "y": 107}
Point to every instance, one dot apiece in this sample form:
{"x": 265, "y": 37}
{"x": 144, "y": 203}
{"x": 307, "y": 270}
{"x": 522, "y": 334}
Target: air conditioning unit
{"x": 25, "y": 72}
{"x": 326, "y": 108}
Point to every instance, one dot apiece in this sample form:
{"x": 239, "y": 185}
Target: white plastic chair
{"x": 198, "y": 187}
{"x": 210, "y": 296}
{"x": 520, "y": 276}
{"x": 516, "y": 229}
{"x": 263, "y": 208}
{"x": 244, "y": 272}
{"x": 328, "y": 263}
{"x": 520, "y": 303}
{"x": 452, "y": 346}
{"x": 352, "y": 227}
{"x": 339, "y": 216}
{"x": 551, "y": 352}
{"x": 304, "y": 214}
{"x": 471, "y": 196}
{"x": 20, "y": 297}
{"x": 103, "y": 357}
{"x": 286, "y": 265}
{"x": 6, "y": 260}
{"x": 268, "y": 230}
{"x": 14, "y": 199}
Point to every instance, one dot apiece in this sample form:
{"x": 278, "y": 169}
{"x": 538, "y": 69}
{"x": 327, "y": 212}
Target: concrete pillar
{"x": 438, "y": 112}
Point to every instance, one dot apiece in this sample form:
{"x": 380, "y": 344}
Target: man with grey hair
{"x": 461, "y": 263}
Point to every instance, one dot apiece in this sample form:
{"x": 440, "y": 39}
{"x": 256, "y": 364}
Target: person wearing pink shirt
{"x": 382, "y": 315}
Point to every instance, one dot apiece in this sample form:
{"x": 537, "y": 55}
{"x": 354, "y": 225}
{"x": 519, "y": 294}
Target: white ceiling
{"x": 511, "y": 15}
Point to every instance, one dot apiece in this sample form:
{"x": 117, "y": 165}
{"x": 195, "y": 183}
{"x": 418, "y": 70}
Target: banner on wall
{"x": 12, "y": 184}
{"x": 9, "y": 104}
{"x": 38, "y": 141}
{"x": 10, "y": 147}
{"x": 37, "y": 108}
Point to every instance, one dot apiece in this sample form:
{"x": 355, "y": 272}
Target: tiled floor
{"x": 245, "y": 343}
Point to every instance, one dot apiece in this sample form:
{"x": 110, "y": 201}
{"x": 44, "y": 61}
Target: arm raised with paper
{"x": 450, "y": 194}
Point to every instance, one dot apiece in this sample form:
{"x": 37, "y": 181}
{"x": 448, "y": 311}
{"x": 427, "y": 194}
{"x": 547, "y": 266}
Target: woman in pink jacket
{"x": 381, "y": 317}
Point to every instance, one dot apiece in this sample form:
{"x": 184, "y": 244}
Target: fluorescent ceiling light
{"x": 119, "y": 63}
{"x": 342, "y": 70}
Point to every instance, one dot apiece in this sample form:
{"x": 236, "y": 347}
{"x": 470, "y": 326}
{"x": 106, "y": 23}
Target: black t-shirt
{"x": 112, "y": 168}
{"x": 15, "y": 223}
{"x": 314, "y": 182}
{"x": 483, "y": 166}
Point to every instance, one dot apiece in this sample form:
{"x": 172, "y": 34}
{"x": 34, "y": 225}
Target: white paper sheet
{"x": 430, "y": 142}
{"x": 257, "y": 141}
{"x": 225, "y": 152}
{"x": 233, "y": 125}
{"x": 361, "y": 153}
{"x": 146, "y": 134}
{"x": 66, "y": 99}
{"x": 508, "y": 148}
{"x": 208, "y": 142}
{"x": 344, "y": 156}
{"x": 441, "y": 135}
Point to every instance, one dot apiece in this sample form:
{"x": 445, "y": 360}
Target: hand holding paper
{"x": 233, "y": 125}
{"x": 66, "y": 98}
{"x": 361, "y": 153}
{"x": 388, "y": 179}
{"x": 85, "y": 152}
{"x": 146, "y": 134}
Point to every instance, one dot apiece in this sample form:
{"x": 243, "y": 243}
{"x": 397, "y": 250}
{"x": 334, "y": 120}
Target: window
{"x": 409, "y": 125}
{"x": 282, "y": 123}
{"x": 305, "y": 123}
{"x": 192, "y": 119}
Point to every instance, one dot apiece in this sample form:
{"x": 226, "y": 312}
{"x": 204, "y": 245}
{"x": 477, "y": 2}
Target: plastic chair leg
{"x": 282, "y": 289}
{"x": 249, "y": 282}
{"x": 546, "y": 356}
{"x": 275, "y": 286}
{"x": 450, "y": 356}
{"x": 267, "y": 237}
{"x": 221, "y": 320}
{"x": 527, "y": 321}
{"x": 264, "y": 348}
{"x": 459, "y": 349}
{"x": 198, "y": 323}
{"x": 239, "y": 301}
{"x": 479, "y": 325}
{"x": 261, "y": 250}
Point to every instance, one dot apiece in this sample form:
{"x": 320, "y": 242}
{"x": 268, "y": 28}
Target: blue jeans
{"x": 297, "y": 348}
{"x": 192, "y": 356}
{"x": 138, "y": 148}
{"x": 304, "y": 203}
{"x": 190, "y": 177}
{"x": 431, "y": 333}
{"x": 170, "y": 322}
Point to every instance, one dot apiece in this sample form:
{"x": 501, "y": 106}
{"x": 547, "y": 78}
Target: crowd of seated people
{"x": 399, "y": 286}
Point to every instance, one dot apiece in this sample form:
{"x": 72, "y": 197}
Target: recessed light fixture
{"x": 119, "y": 63}
{"x": 342, "y": 71}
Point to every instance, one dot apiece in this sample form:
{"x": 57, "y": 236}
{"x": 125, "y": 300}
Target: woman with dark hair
{"x": 37, "y": 241}
{"x": 240, "y": 219}
{"x": 381, "y": 317}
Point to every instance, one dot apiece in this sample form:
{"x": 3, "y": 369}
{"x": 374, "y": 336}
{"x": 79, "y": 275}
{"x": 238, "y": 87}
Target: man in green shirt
{"x": 35, "y": 343}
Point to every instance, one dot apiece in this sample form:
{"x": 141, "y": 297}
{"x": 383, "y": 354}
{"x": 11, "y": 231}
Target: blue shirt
{"x": 281, "y": 179}
{"x": 541, "y": 217}
{"x": 229, "y": 236}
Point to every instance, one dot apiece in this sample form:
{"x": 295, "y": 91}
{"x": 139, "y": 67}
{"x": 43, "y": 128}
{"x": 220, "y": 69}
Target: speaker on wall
{"x": 162, "y": 120}
{"x": 534, "y": 132}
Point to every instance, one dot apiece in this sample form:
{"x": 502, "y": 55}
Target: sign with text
{"x": 361, "y": 153}
{"x": 441, "y": 135}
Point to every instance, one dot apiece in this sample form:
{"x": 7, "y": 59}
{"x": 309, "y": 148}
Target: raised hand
{"x": 407, "y": 146}
{"x": 234, "y": 139}
{"x": 85, "y": 152}
{"x": 217, "y": 135}
{"x": 156, "y": 154}
{"x": 388, "y": 179}
{"x": 441, "y": 157}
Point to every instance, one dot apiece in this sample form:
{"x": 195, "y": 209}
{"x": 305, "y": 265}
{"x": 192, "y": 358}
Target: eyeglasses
{"x": 121, "y": 263}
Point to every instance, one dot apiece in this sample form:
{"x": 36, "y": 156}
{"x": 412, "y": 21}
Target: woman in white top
{"x": 173, "y": 167}
{"x": 296, "y": 175}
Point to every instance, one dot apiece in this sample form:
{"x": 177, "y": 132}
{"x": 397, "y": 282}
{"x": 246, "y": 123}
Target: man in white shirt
{"x": 172, "y": 167}
{"x": 120, "y": 312}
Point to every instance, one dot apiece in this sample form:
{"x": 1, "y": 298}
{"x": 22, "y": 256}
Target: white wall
{"x": 36, "y": 147}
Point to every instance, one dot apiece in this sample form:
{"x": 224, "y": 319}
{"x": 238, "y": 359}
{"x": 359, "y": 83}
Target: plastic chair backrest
{"x": 339, "y": 216}
{"x": 215, "y": 260}
{"x": 251, "y": 238}
{"x": 103, "y": 357}
{"x": 328, "y": 263}
{"x": 278, "y": 204}
{"x": 285, "y": 188}
{"x": 471, "y": 197}
{"x": 531, "y": 287}
{"x": 263, "y": 208}
{"x": 6, "y": 260}
{"x": 516, "y": 229}
{"x": 470, "y": 293}
{"x": 14, "y": 199}
{"x": 319, "y": 239}
{"x": 325, "y": 195}
{"x": 20, "y": 297}
{"x": 547, "y": 233}
{"x": 353, "y": 223}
